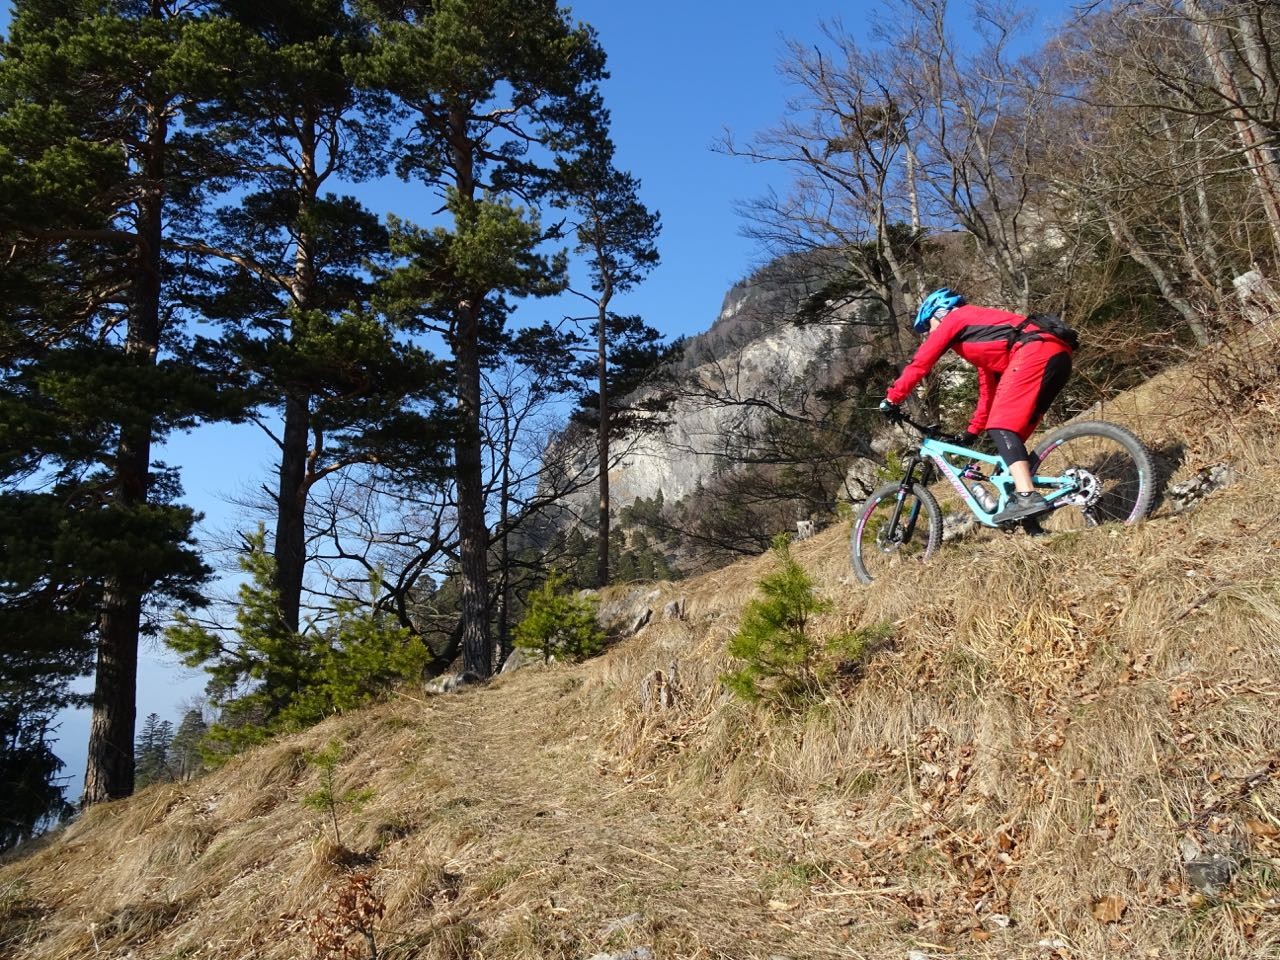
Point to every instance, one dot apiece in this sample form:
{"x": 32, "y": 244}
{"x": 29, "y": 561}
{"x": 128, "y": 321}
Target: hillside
{"x": 1059, "y": 725}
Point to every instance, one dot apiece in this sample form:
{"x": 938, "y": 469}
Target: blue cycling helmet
{"x": 943, "y": 299}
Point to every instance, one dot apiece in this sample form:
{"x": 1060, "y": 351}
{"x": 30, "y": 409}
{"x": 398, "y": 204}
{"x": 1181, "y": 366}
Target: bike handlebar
{"x": 932, "y": 431}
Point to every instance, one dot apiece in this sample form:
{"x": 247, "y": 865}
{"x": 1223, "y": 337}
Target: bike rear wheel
{"x": 1113, "y": 470}
{"x": 876, "y": 550}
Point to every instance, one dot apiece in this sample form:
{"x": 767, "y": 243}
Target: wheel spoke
{"x": 1110, "y": 482}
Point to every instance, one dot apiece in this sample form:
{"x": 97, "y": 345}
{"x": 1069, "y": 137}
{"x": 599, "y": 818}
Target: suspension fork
{"x": 908, "y": 478}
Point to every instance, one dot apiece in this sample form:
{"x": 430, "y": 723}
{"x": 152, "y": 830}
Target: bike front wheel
{"x": 1113, "y": 477}
{"x": 880, "y": 547}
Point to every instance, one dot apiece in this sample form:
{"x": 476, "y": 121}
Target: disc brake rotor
{"x": 1087, "y": 492}
{"x": 886, "y": 543}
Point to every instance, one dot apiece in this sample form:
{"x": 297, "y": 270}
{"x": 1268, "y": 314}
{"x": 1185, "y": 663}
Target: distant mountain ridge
{"x": 745, "y": 367}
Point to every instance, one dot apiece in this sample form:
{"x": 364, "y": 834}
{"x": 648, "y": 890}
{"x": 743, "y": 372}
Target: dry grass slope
{"x": 1057, "y": 726}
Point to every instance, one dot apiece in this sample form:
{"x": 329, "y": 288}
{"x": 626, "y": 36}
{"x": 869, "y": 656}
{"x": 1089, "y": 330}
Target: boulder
{"x": 1187, "y": 493}
{"x": 520, "y": 658}
{"x": 640, "y": 620}
{"x": 450, "y": 683}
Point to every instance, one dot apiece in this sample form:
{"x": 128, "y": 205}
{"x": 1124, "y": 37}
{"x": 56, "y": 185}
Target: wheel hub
{"x": 1086, "y": 491}
{"x": 886, "y": 542}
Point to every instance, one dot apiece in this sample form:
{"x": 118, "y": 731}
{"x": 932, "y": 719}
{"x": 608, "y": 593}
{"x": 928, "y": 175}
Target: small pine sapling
{"x": 773, "y": 638}
{"x": 784, "y": 664}
{"x": 327, "y": 799}
{"x": 560, "y": 624}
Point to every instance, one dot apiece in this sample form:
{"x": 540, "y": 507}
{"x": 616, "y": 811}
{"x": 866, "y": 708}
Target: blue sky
{"x": 681, "y": 73}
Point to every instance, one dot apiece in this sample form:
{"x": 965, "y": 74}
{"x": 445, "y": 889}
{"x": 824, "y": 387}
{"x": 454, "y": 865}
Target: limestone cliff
{"x": 754, "y": 362}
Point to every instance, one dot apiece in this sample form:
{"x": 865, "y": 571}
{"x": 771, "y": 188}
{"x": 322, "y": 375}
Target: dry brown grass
{"x": 1013, "y": 777}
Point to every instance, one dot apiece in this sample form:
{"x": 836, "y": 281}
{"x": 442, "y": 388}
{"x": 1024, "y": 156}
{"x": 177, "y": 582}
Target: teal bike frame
{"x": 1058, "y": 491}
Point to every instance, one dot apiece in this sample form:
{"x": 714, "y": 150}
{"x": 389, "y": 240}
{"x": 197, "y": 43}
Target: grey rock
{"x": 634, "y": 953}
{"x": 1189, "y": 849}
{"x": 450, "y": 683}
{"x": 957, "y": 525}
{"x": 1258, "y": 298}
{"x": 628, "y": 922}
{"x": 674, "y": 610}
{"x": 519, "y": 659}
{"x": 640, "y": 621}
{"x": 864, "y": 476}
{"x": 1186, "y": 494}
{"x": 621, "y": 608}
{"x": 1210, "y": 874}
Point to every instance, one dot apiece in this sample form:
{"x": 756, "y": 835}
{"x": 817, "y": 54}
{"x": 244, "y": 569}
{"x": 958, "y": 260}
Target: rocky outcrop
{"x": 722, "y": 398}
{"x": 754, "y": 361}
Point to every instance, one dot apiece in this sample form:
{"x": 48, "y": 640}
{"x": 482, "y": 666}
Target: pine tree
{"x": 29, "y": 772}
{"x": 185, "y": 758}
{"x": 487, "y": 99}
{"x": 96, "y": 371}
{"x": 617, "y": 236}
{"x": 559, "y": 624}
{"x": 151, "y": 752}
{"x": 265, "y": 678}
{"x": 288, "y": 264}
{"x": 775, "y": 639}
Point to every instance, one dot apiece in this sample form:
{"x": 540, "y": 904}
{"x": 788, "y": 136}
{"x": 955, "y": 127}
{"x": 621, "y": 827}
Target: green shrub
{"x": 265, "y": 678}
{"x": 560, "y": 625}
{"x": 784, "y": 665}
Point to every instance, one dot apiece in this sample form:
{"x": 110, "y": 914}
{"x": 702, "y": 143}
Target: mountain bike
{"x": 1090, "y": 472}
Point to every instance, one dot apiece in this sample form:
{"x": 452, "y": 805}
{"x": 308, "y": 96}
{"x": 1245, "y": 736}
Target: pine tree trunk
{"x": 291, "y": 533}
{"x": 291, "y": 496}
{"x": 477, "y": 644}
{"x": 109, "y": 767}
{"x": 602, "y": 439}
{"x": 473, "y": 533}
{"x": 504, "y": 584}
{"x": 109, "y": 771}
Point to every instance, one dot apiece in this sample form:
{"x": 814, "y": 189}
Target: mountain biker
{"x": 1021, "y": 368}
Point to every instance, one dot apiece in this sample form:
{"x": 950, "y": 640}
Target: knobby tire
{"x": 866, "y": 550}
{"x": 1117, "y": 461}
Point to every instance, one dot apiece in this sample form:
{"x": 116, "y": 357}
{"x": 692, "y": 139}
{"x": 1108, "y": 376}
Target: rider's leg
{"x": 1036, "y": 373}
{"x": 1026, "y": 502}
{"x": 1014, "y": 454}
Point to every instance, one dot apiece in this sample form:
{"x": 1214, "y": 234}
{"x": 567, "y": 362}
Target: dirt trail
{"x": 603, "y": 849}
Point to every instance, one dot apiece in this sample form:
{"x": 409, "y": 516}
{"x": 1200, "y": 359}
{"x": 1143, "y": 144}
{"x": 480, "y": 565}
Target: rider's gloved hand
{"x": 891, "y": 410}
{"x": 966, "y": 439}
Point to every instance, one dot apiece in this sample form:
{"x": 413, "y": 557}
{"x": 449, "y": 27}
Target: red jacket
{"x": 983, "y": 336}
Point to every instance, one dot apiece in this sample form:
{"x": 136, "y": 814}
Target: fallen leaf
{"x": 1260, "y": 828}
{"x": 781, "y": 905}
{"x": 1110, "y": 909}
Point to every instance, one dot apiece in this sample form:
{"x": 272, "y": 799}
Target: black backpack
{"x": 1049, "y": 323}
